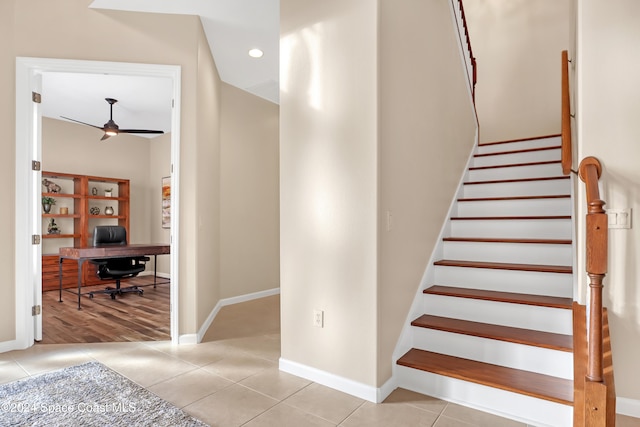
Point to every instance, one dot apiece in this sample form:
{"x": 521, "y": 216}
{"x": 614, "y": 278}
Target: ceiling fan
{"x": 111, "y": 128}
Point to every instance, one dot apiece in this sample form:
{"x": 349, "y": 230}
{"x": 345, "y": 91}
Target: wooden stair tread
{"x": 515, "y": 165}
{"x": 508, "y": 141}
{"x": 496, "y": 332}
{"x": 526, "y": 150}
{"x": 490, "y": 199}
{"x": 532, "y": 384}
{"x": 508, "y": 297}
{"x": 504, "y": 240}
{"x": 504, "y": 181}
{"x": 507, "y": 266}
{"x": 507, "y": 218}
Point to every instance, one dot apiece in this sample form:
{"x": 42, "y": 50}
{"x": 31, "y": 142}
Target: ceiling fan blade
{"x": 140, "y": 131}
{"x": 105, "y": 136}
{"x": 78, "y": 121}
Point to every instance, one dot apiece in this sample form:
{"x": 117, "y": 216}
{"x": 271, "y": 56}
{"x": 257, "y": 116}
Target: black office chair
{"x": 115, "y": 268}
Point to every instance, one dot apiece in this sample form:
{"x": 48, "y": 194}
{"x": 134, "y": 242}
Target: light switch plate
{"x": 619, "y": 218}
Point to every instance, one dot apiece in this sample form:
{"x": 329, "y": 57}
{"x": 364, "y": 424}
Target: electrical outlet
{"x": 318, "y": 318}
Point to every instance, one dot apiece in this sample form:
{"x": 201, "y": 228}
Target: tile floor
{"x": 232, "y": 379}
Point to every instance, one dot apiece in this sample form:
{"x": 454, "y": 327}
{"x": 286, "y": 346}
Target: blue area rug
{"x": 86, "y": 395}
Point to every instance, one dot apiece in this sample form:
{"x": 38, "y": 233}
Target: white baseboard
{"x": 628, "y": 407}
{"x": 188, "y": 339}
{"x": 10, "y": 345}
{"x": 336, "y": 382}
{"x": 197, "y": 338}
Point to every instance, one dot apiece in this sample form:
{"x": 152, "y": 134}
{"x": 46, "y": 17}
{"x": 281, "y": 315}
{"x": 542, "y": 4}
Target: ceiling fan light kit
{"x": 111, "y": 128}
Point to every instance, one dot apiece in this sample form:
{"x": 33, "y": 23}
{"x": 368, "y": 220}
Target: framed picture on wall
{"x": 166, "y": 202}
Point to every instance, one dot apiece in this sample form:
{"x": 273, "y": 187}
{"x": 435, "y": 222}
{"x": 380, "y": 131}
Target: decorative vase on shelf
{"x": 108, "y": 210}
{"x": 107, "y": 193}
{"x": 47, "y": 202}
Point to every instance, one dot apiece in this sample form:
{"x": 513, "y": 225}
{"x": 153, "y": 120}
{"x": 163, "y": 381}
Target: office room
{"x": 133, "y": 166}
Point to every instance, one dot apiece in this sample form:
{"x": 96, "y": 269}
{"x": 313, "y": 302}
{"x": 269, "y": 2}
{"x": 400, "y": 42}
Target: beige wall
{"x": 72, "y": 148}
{"x": 608, "y": 127}
{"x": 367, "y": 126}
{"x": 206, "y": 189}
{"x": 427, "y": 130}
{"x": 159, "y": 166}
{"x": 249, "y": 194}
{"x": 518, "y": 44}
{"x": 68, "y": 29}
{"x": 7, "y": 171}
{"x": 328, "y": 185}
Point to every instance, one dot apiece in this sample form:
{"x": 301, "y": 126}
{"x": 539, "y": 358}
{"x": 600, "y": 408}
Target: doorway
{"x": 29, "y": 72}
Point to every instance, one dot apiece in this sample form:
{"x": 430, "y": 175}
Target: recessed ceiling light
{"x": 256, "y": 53}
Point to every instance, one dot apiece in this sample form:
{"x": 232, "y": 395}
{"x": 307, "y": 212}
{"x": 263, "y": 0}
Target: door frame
{"x": 28, "y": 265}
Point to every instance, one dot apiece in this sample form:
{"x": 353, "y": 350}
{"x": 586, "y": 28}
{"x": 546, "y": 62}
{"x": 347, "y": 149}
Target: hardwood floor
{"x": 129, "y": 317}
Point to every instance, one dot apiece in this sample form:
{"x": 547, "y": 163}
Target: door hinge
{"x": 35, "y": 239}
{"x": 36, "y": 310}
{"x": 35, "y": 165}
{"x": 36, "y": 97}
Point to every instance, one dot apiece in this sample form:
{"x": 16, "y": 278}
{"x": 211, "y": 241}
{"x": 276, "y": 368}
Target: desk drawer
{"x": 50, "y": 273}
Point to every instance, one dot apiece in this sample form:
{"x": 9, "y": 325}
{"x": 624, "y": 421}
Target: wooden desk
{"x": 121, "y": 251}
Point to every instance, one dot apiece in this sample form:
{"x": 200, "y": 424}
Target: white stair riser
{"x": 524, "y": 282}
{"x": 518, "y": 407}
{"x": 517, "y": 356}
{"x": 515, "y": 172}
{"x": 547, "y": 319}
{"x": 515, "y": 207}
{"x": 520, "y": 145}
{"x": 512, "y": 158}
{"x": 519, "y": 253}
{"x": 517, "y": 189}
{"x": 526, "y": 228}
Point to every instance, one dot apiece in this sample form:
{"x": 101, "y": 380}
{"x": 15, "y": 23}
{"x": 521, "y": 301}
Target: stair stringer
{"x": 531, "y": 410}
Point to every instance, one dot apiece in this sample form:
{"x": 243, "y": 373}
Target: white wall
{"x": 608, "y": 108}
{"x": 518, "y": 44}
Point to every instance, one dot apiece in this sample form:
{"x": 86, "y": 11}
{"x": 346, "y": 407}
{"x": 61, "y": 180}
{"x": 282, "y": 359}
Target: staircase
{"x": 493, "y": 329}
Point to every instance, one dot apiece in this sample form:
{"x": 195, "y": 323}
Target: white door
{"x": 28, "y": 217}
{"x": 36, "y": 211}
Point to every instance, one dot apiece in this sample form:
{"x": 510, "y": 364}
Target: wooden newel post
{"x": 596, "y": 263}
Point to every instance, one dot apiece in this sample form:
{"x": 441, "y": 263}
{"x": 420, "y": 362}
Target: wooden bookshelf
{"x": 80, "y": 195}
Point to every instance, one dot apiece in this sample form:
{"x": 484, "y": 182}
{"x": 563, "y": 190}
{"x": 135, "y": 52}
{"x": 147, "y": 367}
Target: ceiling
{"x": 232, "y": 28}
{"x": 143, "y": 102}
